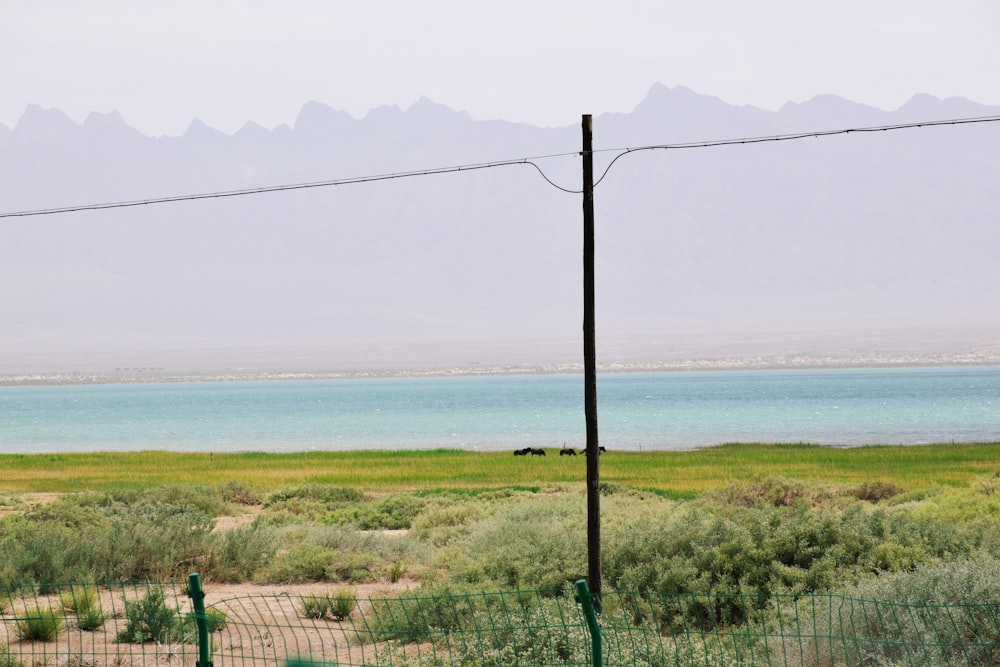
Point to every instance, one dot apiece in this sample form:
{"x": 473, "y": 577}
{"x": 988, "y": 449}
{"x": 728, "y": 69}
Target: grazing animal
{"x": 567, "y": 451}
{"x": 521, "y": 452}
{"x": 537, "y": 452}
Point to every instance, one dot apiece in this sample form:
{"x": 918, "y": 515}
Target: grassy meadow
{"x": 913, "y": 525}
{"x": 680, "y": 474}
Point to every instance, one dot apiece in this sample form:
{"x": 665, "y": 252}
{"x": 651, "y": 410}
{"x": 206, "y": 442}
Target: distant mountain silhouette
{"x": 856, "y": 232}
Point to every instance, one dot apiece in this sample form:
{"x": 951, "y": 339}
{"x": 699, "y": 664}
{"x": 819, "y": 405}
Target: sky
{"x": 162, "y": 63}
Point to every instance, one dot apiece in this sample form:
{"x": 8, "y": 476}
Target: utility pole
{"x": 590, "y": 370}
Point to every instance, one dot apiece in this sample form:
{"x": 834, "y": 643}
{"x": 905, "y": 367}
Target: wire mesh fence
{"x": 81, "y": 625}
{"x": 91, "y": 625}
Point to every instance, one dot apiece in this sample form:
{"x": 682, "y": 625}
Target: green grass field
{"x": 674, "y": 473}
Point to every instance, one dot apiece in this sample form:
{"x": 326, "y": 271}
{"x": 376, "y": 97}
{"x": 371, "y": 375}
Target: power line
{"x": 790, "y": 137}
{"x": 530, "y": 161}
{"x": 293, "y": 186}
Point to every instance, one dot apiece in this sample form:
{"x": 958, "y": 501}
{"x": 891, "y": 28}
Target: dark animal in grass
{"x": 567, "y": 451}
{"x": 522, "y": 452}
{"x": 537, "y": 452}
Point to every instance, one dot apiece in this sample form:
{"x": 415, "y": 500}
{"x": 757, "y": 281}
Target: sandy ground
{"x": 265, "y": 623}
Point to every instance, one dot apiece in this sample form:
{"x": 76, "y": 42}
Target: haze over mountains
{"x": 853, "y": 243}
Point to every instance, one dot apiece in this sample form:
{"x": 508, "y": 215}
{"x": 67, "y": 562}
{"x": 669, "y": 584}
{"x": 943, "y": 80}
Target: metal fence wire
{"x": 177, "y": 623}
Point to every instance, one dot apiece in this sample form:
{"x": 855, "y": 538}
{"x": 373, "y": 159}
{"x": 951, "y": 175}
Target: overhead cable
{"x": 531, "y": 161}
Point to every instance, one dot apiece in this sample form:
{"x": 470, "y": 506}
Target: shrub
{"x": 315, "y": 493}
{"x": 393, "y": 513}
{"x": 240, "y": 493}
{"x": 408, "y": 619}
{"x": 216, "y": 619}
{"x": 34, "y": 551}
{"x": 537, "y": 542}
{"x": 334, "y": 553}
{"x": 85, "y": 605}
{"x": 149, "y": 541}
{"x": 7, "y": 659}
{"x": 150, "y": 619}
{"x": 939, "y": 615}
{"x": 445, "y": 522}
{"x": 342, "y": 603}
{"x": 396, "y": 571}
{"x": 336, "y": 606}
{"x": 352, "y": 567}
{"x": 38, "y": 624}
{"x": 237, "y": 555}
{"x": 314, "y": 606}
{"x": 876, "y": 491}
{"x": 763, "y": 490}
{"x": 300, "y": 564}
{"x": 539, "y": 636}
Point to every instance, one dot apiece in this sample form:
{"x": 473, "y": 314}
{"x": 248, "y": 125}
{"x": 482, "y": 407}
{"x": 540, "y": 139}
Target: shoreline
{"x": 154, "y": 375}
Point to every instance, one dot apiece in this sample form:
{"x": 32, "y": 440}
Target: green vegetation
{"x": 712, "y": 539}
{"x": 84, "y": 603}
{"x": 7, "y": 659}
{"x": 335, "y": 606}
{"x": 940, "y": 602}
{"x": 677, "y": 474}
{"x": 766, "y": 535}
{"x": 151, "y": 619}
{"x": 215, "y": 618}
{"x": 38, "y": 625}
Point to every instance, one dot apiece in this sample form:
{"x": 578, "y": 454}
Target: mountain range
{"x": 860, "y": 242}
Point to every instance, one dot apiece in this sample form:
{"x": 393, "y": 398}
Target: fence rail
{"x": 176, "y": 623}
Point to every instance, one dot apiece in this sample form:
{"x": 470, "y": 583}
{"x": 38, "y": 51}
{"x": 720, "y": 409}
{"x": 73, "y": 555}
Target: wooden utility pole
{"x": 590, "y": 370}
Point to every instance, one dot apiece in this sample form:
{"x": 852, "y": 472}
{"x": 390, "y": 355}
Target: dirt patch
{"x": 237, "y": 520}
{"x": 26, "y": 502}
{"x": 263, "y": 624}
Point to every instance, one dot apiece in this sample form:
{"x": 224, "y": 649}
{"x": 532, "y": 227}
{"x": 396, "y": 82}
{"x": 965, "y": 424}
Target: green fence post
{"x": 197, "y": 596}
{"x": 586, "y": 601}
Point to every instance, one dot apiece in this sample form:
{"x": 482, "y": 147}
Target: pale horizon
{"x": 161, "y": 66}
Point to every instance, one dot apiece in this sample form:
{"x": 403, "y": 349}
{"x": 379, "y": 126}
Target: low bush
{"x": 335, "y": 606}
{"x": 342, "y": 603}
{"x": 305, "y": 562}
{"x": 876, "y": 491}
{"x": 85, "y": 604}
{"x": 240, "y": 493}
{"x": 537, "y": 542}
{"x": 393, "y": 513}
{"x": 299, "y": 564}
{"x": 774, "y": 491}
{"x": 939, "y": 615}
{"x": 153, "y": 542}
{"x": 314, "y": 606}
{"x": 38, "y": 625}
{"x": 314, "y": 501}
{"x": 539, "y": 635}
{"x": 216, "y": 619}
{"x": 396, "y": 571}
{"x": 239, "y": 554}
{"x": 418, "y": 617}
{"x": 8, "y": 659}
{"x": 708, "y": 547}
{"x": 151, "y": 619}
{"x": 37, "y": 550}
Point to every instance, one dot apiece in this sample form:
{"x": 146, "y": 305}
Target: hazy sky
{"x": 162, "y": 63}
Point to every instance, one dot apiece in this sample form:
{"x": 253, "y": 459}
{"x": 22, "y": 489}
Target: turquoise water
{"x": 671, "y": 410}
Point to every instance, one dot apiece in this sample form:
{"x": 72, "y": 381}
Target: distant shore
{"x": 138, "y": 375}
